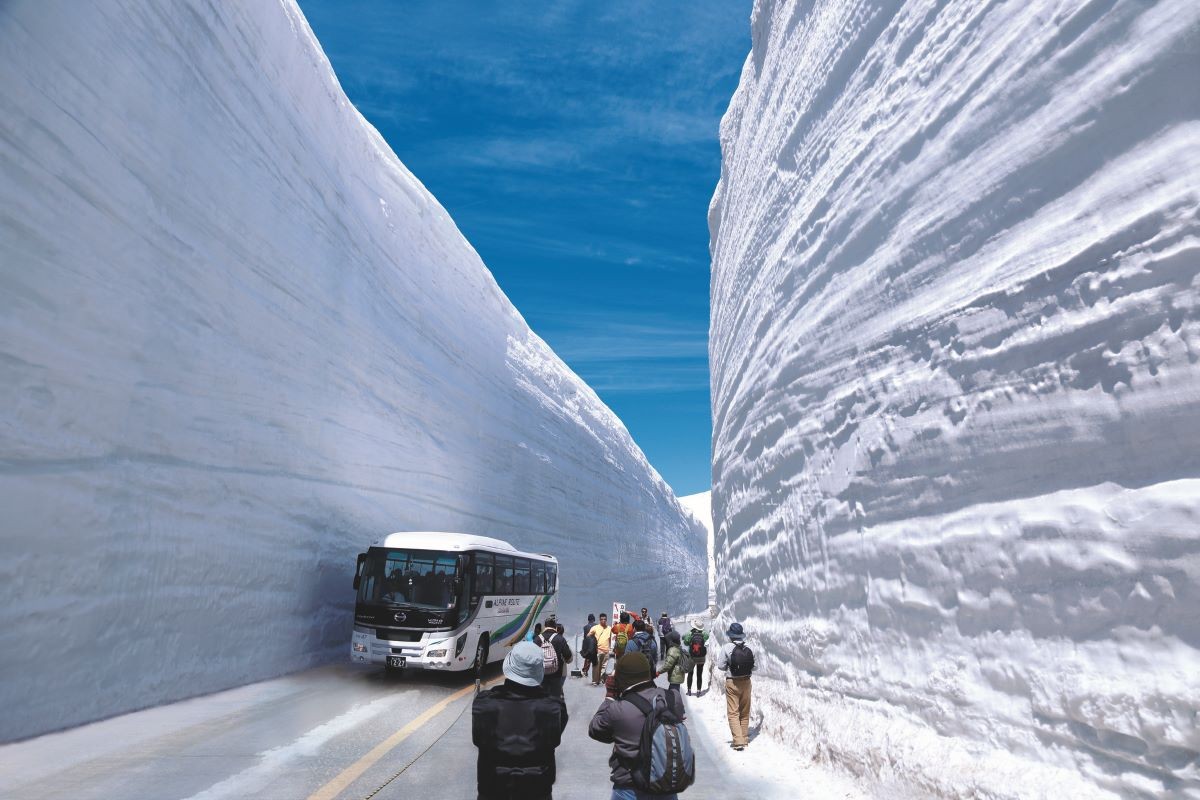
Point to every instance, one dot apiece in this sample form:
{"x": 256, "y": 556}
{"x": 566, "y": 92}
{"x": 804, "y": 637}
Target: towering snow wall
{"x": 955, "y": 344}
{"x": 238, "y": 342}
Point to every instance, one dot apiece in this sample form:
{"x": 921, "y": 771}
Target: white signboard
{"x": 616, "y": 615}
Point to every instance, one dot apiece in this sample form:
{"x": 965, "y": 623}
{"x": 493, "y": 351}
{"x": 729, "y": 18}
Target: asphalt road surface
{"x": 341, "y": 731}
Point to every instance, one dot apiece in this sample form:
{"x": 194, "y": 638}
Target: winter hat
{"x": 673, "y": 637}
{"x": 632, "y": 669}
{"x": 735, "y": 632}
{"x": 523, "y": 664}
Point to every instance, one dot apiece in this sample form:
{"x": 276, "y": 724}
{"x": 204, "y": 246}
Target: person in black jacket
{"x": 516, "y": 727}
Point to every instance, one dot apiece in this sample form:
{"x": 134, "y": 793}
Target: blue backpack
{"x": 666, "y": 763}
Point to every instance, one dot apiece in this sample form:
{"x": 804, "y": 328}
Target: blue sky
{"x": 575, "y": 144}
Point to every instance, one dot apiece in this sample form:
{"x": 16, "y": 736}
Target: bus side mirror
{"x": 362, "y": 557}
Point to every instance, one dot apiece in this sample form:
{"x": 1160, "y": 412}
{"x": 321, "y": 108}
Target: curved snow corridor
{"x": 956, "y": 369}
{"x": 240, "y": 341}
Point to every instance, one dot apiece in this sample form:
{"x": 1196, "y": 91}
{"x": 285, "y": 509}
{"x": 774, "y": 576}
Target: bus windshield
{"x": 425, "y": 579}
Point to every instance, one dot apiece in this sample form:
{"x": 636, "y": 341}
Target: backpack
{"x": 685, "y": 661}
{"x": 588, "y": 648}
{"x": 664, "y": 626}
{"x": 622, "y": 639}
{"x": 741, "y": 660}
{"x": 665, "y": 763}
{"x": 549, "y": 657}
{"x": 697, "y": 649}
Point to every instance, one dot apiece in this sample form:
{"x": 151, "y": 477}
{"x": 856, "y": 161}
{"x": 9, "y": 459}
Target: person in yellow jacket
{"x": 603, "y": 635}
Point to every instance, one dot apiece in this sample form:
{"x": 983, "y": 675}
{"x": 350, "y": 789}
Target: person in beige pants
{"x": 737, "y": 661}
{"x": 603, "y": 635}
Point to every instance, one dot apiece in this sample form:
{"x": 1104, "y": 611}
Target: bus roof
{"x": 445, "y": 540}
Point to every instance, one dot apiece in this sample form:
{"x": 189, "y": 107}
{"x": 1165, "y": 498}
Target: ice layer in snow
{"x": 955, "y": 342}
{"x": 238, "y": 342}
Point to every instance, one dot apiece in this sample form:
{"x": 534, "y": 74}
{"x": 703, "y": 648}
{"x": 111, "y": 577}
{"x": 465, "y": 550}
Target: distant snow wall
{"x": 955, "y": 344}
{"x": 239, "y": 341}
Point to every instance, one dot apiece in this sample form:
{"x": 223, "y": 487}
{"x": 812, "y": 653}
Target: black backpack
{"x": 696, "y": 647}
{"x": 741, "y": 660}
{"x": 588, "y": 649}
{"x": 665, "y": 763}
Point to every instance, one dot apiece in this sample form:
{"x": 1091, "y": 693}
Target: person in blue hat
{"x": 517, "y": 727}
{"x": 737, "y": 661}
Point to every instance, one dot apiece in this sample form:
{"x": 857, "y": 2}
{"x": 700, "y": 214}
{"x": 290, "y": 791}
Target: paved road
{"x": 335, "y": 732}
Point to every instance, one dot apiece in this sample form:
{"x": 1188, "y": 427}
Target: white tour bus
{"x": 448, "y": 601}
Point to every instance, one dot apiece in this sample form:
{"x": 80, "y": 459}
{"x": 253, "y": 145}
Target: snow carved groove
{"x": 240, "y": 341}
{"x": 955, "y": 334}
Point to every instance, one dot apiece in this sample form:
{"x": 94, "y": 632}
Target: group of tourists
{"x": 518, "y": 725}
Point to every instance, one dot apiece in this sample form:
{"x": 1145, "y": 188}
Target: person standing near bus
{"x": 517, "y": 727}
{"x": 603, "y": 635}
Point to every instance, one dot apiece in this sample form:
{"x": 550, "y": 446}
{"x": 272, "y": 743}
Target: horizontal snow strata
{"x": 955, "y": 346}
{"x": 239, "y": 341}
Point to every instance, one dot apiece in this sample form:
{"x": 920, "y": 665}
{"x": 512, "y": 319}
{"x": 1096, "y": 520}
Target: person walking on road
{"x": 603, "y": 635}
{"x": 643, "y": 642}
{"x": 587, "y": 652}
{"x": 621, "y": 719}
{"x": 516, "y": 727}
{"x": 676, "y": 663}
{"x": 696, "y": 644}
{"x": 622, "y": 632}
{"x": 737, "y": 660}
{"x": 556, "y": 655}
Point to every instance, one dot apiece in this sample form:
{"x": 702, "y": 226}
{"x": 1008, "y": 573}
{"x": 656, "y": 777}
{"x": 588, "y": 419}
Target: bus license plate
{"x": 396, "y": 661}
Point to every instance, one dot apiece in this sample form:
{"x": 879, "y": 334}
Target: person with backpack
{"x": 517, "y": 727}
{"x": 738, "y": 661}
{"x": 556, "y": 655}
{"x": 664, "y": 625}
{"x": 676, "y": 663}
{"x": 697, "y": 649}
{"x": 652, "y": 756}
{"x": 622, "y": 632}
{"x": 587, "y": 652}
{"x": 643, "y": 642}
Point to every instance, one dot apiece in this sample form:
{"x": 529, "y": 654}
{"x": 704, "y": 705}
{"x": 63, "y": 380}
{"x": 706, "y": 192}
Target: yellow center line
{"x": 355, "y": 770}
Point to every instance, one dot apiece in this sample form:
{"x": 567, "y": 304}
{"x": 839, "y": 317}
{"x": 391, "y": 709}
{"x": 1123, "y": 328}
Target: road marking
{"x": 355, "y": 770}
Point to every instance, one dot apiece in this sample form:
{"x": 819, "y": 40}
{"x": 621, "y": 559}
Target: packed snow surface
{"x": 955, "y": 346}
{"x": 239, "y": 341}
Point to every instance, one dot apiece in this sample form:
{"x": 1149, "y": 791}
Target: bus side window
{"x": 539, "y": 578}
{"x": 520, "y": 576}
{"x": 504, "y": 575}
{"x": 551, "y": 578}
{"x": 483, "y": 573}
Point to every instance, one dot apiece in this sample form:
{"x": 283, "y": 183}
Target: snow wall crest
{"x": 955, "y": 341}
{"x": 239, "y": 342}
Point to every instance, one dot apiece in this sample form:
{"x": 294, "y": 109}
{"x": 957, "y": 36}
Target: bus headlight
{"x": 436, "y": 653}
{"x": 459, "y": 645}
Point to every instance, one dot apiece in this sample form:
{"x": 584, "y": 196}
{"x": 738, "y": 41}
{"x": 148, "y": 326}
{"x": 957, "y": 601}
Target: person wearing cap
{"x": 619, "y": 722}
{"x": 516, "y": 727}
{"x": 737, "y": 660}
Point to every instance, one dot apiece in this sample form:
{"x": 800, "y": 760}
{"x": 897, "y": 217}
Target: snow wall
{"x": 955, "y": 344}
{"x": 239, "y": 342}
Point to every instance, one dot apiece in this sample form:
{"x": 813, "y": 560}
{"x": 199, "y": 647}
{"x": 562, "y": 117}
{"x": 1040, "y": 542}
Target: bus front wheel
{"x": 481, "y": 656}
